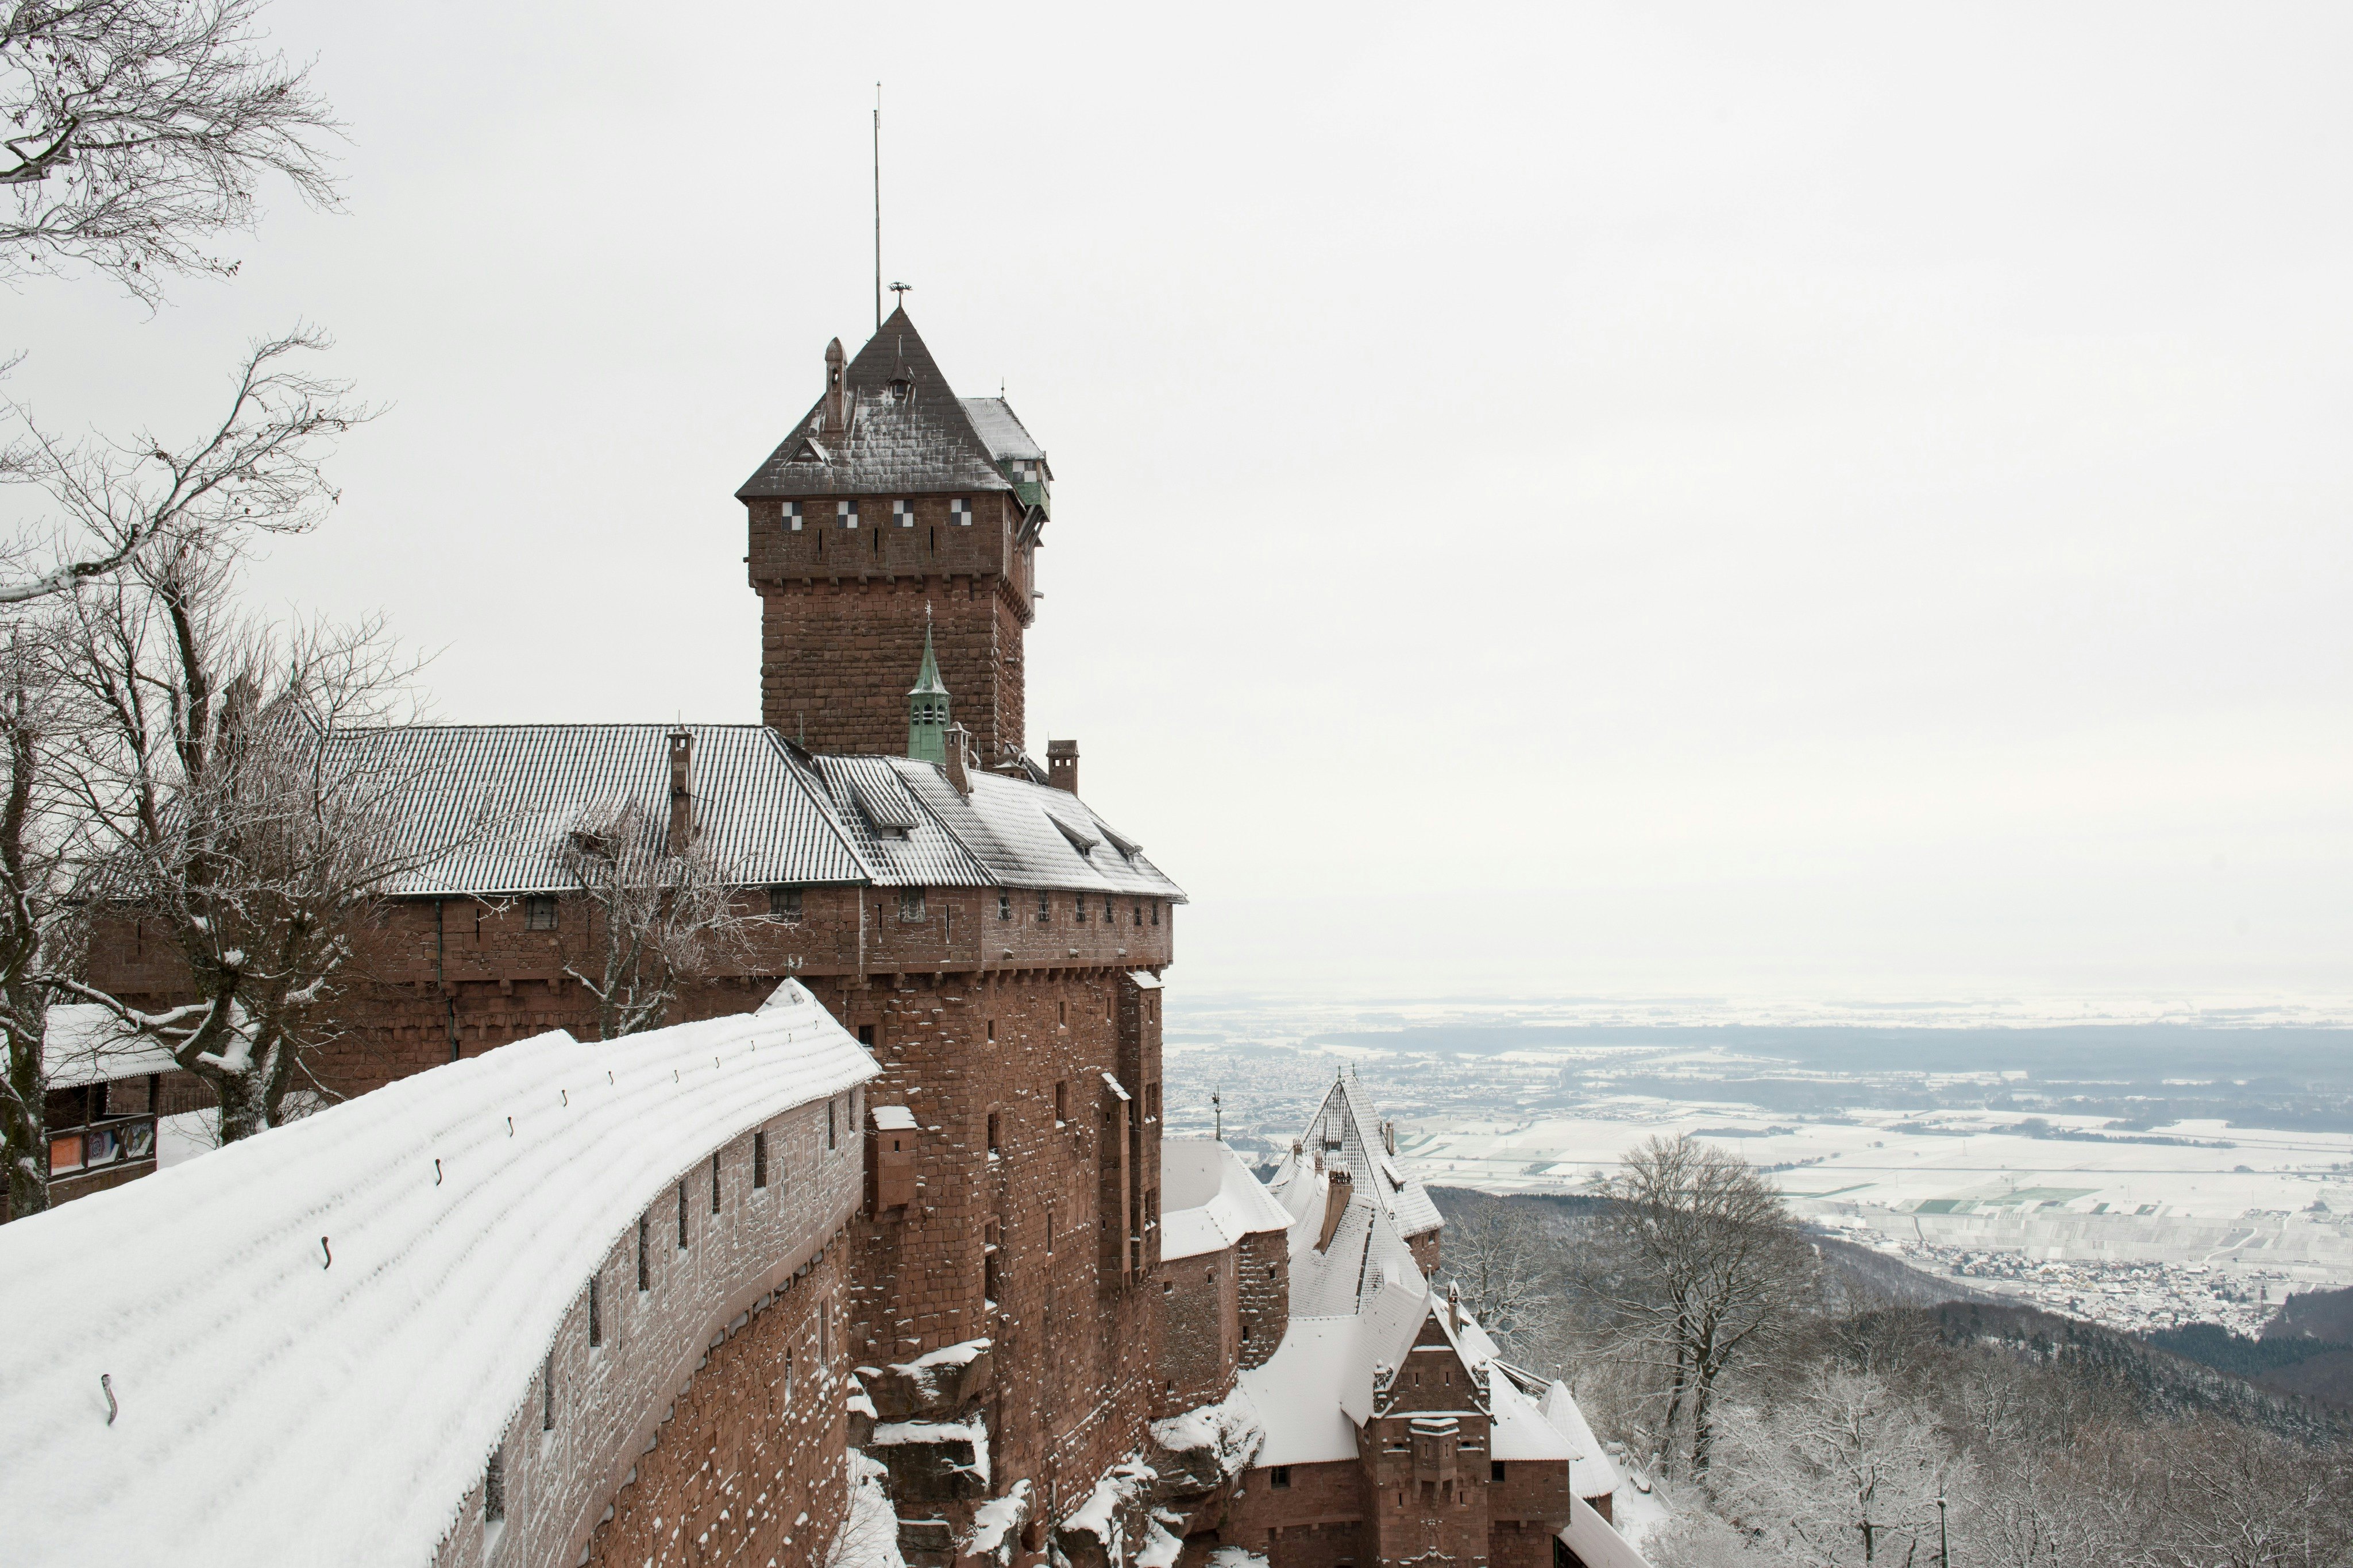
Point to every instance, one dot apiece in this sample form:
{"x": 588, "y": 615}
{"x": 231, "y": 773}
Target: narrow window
{"x": 866, "y": 1035}
{"x": 1495, "y": 1470}
{"x": 911, "y": 903}
{"x": 792, "y": 516}
{"x": 1005, "y": 906}
{"x": 877, "y": 544}
{"x": 494, "y": 1488}
{"x": 1245, "y": 1334}
{"x": 1063, "y": 1011}
{"x": 992, "y": 1272}
{"x": 784, "y": 904}
{"x": 595, "y": 1312}
{"x": 1078, "y": 908}
{"x": 759, "y": 1158}
{"x": 1111, "y": 915}
{"x": 681, "y": 1217}
{"x": 645, "y": 1266}
{"x": 992, "y": 1028}
{"x": 1281, "y": 1477}
{"x": 1049, "y": 1232}
{"x": 960, "y": 512}
{"x": 825, "y": 1336}
{"x": 539, "y": 913}
{"x": 1137, "y": 910}
{"x": 1045, "y": 911}
{"x": 715, "y": 1181}
{"x": 844, "y": 514}
{"x": 1061, "y": 1101}
{"x": 902, "y": 512}
{"x": 548, "y": 1404}
{"x": 993, "y": 1131}
{"x": 1155, "y": 913}
{"x": 832, "y": 1127}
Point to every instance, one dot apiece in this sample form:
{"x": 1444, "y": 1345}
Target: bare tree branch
{"x": 139, "y": 129}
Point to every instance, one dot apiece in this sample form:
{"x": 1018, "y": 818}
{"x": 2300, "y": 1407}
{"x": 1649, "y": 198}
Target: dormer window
{"x": 902, "y": 512}
{"x": 791, "y": 517}
{"x": 845, "y": 514}
{"x": 960, "y": 512}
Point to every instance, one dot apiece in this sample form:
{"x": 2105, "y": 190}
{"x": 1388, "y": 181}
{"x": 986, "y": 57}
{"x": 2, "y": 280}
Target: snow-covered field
{"x": 2060, "y": 1170}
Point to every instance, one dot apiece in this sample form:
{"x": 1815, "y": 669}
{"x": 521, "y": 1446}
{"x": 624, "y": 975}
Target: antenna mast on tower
{"x": 878, "y": 206}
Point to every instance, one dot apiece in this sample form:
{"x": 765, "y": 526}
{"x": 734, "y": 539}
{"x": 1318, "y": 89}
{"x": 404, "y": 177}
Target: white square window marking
{"x": 902, "y": 512}
{"x": 793, "y": 516}
{"x": 846, "y": 513}
{"x": 960, "y": 512}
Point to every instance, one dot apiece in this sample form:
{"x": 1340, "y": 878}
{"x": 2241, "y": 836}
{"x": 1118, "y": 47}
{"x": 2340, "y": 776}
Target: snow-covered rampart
{"x": 310, "y": 1346}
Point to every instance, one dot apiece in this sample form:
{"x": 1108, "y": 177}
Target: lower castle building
{"x": 1048, "y": 1335}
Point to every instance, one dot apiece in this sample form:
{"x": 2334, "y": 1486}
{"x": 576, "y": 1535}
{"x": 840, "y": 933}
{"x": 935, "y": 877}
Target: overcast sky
{"x": 1746, "y": 500}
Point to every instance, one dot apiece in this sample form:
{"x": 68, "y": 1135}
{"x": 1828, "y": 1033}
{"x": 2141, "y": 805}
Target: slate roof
{"x": 913, "y": 436}
{"x": 1008, "y": 441}
{"x": 487, "y": 807}
{"x": 1209, "y": 1199}
{"x": 504, "y": 797}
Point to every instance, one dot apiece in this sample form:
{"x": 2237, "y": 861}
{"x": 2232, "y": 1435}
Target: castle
{"x": 1061, "y": 1336}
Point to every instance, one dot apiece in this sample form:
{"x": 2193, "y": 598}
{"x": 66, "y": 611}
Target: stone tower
{"x": 890, "y": 497}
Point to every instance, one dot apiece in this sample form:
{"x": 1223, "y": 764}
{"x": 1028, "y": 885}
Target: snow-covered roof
{"x": 1297, "y": 1393}
{"x": 1596, "y": 1545}
{"x": 1027, "y": 834}
{"x": 488, "y": 806}
{"x": 914, "y": 437}
{"x": 1592, "y": 1469}
{"x": 83, "y": 1044}
{"x": 1348, "y": 1129}
{"x": 1518, "y": 1429}
{"x": 486, "y": 809}
{"x": 1007, "y": 438}
{"x": 1341, "y": 1276}
{"x": 282, "y": 1400}
{"x": 1209, "y": 1199}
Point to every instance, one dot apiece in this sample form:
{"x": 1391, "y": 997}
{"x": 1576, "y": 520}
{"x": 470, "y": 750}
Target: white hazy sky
{"x": 1788, "y": 500}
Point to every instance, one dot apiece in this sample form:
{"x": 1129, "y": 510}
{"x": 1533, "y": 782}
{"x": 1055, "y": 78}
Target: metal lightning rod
{"x": 878, "y": 206}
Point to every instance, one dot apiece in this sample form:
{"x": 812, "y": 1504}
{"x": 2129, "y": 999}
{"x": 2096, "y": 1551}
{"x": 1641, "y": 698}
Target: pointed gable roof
{"x": 1347, "y": 1126}
{"x": 908, "y": 432}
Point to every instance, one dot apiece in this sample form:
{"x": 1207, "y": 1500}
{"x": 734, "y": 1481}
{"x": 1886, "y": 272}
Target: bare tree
{"x": 141, "y": 128}
{"x": 1840, "y": 1470}
{"x": 1695, "y": 1264}
{"x": 1497, "y": 1252}
{"x": 38, "y": 924}
{"x": 242, "y": 804}
{"x": 257, "y": 470}
{"x": 660, "y": 916}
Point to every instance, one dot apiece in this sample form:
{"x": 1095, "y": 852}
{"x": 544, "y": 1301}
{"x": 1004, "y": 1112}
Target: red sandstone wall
{"x": 1317, "y": 1521}
{"x": 842, "y": 620}
{"x": 754, "y": 1442}
{"x": 1200, "y": 1315}
{"x": 1264, "y": 1309}
{"x": 1075, "y": 1351}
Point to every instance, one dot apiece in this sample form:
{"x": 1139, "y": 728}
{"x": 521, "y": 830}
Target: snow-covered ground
{"x": 2064, "y": 1181}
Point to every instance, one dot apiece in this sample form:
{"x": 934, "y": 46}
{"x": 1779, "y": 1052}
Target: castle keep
{"x": 1060, "y": 1339}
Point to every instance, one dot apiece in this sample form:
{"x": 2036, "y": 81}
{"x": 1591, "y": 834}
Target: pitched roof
{"x": 908, "y": 431}
{"x": 1347, "y": 1128}
{"x": 487, "y": 808}
{"x": 1209, "y": 1199}
{"x": 361, "y": 1400}
{"x": 503, "y": 798}
{"x": 1008, "y": 441}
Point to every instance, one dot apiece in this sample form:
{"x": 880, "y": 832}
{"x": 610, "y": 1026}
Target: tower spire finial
{"x": 927, "y": 706}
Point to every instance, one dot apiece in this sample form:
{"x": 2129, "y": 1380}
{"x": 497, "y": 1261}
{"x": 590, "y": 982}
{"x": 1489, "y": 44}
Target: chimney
{"x": 955, "y": 764}
{"x": 836, "y": 388}
{"x": 1336, "y": 1193}
{"x": 1454, "y": 1307}
{"x": 681, "y": 790}
{"x": 1062, "y": 765}
{"x": 1388, "y": 1138}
